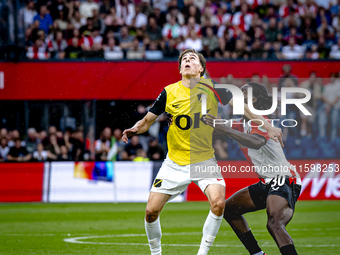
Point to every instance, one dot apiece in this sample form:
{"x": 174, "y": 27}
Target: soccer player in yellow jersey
{"x": 190, "y": 145}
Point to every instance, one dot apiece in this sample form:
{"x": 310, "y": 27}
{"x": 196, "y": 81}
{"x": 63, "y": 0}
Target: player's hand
{"x": 209, "y": 120}
{"x": 276, "y": 134}
{"x": 169, "y": 119}
{"x": 128, "y": 133}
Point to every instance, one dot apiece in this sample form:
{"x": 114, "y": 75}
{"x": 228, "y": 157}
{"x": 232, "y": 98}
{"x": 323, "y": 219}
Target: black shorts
{"x": 289, "y": 190}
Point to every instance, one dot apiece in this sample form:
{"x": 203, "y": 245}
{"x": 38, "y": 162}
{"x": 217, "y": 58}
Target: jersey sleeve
{"x": 158, "y": 106}
{"x": 224, "y": 94}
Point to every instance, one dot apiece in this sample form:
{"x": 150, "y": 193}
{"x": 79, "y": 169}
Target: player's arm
{"x": 252, "y": 141}
{"x": 273, "y": 132}
{"x": 140, "y": 127}
{"x": 144, "y": 124}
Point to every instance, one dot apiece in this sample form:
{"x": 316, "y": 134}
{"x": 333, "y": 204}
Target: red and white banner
{"x": 125, "y": 80}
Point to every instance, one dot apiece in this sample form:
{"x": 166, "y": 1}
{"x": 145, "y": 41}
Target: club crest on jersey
{"x": 157, "y": 183}
{"x": 262, "y": 129}
{"x": 199, "y": 97}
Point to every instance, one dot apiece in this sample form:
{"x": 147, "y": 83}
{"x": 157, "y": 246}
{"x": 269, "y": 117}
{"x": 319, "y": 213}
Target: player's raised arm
{"x": 248, "y": 140}
{"x": 273, "y": 132}
{"x": 140, "y": 127}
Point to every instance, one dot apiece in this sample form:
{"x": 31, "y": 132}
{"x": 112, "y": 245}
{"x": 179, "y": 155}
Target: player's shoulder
{"x": 173, "y": 85}
{"x": 208, "y": 82}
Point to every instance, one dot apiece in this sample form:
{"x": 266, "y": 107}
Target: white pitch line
{"x": 180, "y": 233}
{"x": 77, "y": 240}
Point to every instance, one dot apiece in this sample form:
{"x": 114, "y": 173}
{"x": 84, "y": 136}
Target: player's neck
{"x": 190, "y": 81}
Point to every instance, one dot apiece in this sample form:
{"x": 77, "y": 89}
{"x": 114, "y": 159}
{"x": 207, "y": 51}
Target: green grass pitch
{"x": 119, "y": 229}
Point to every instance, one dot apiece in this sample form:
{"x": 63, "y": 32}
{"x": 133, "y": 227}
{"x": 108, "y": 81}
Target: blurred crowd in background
{"x": 315, "y": 136}
{"x": 157, "y": 29}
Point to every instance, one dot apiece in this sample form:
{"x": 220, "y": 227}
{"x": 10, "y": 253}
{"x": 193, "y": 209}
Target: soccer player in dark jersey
{"x": 277, "y": 191}
{"x": 190, "y": 145}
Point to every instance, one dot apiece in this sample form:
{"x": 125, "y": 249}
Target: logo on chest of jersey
{"x": 176, "y": 106}
{"x": 189, "y": 121}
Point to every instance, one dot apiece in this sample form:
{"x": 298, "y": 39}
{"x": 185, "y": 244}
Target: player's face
{"x": 245, "y": 94}
{"x": 190, "y": 65}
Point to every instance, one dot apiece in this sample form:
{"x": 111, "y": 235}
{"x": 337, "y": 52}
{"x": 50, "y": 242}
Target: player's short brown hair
{"x": 200, "y": 56}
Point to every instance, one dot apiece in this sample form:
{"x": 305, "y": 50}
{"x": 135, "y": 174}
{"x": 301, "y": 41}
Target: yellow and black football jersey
{"x": 189, "y": 138}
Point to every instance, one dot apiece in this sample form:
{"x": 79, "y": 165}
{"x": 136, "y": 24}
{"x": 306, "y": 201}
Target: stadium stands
{"x": 229, "y": 29}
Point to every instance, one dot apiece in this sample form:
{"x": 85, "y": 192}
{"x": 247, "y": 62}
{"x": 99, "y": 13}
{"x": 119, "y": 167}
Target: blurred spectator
{"x": 117, "y": 146}
{"x": 191, "y": 25}
{"x": 125, "y": 11}
{"x": 256, "y": 50}
{"x": 44, "y": 19}
{"x": 170, "y": 51}
{"x": 75, "y": 143}
{"x": 335, "y": 52}
{"x": 53, "y": 146}
{"x": 52, "y": 130}
{"x": 31, "y": 140}
{"x": 329, "y": 111}
{"x": 136, "y": 52}
{"x": 211, "y": 40}
{"x": 190, "y": 10}
{"x": 38, "y": 51}
{"x": 293, "y": 34}
{"x": 111, "y": 17}
{"x": 308, "y": 9}
{"x": 86, "y": 8}
{"x": 160, "y": 17}
{"x": 193, "y": 42}
{"x": 77, "y": 21}
{"x": 155, "y": 152}
{"x": 61, "y": 20}
{"x": 146, "y": 8}
{"x": 173, "y": 11}
{"x": 64, "y": 154}
{"x": 323, "y": 48}
{"x": 171, "y": 29}
{"x": 336, "y": 24}
{"x": 153, "y": 52}
{"x": 141, "y": 19}
{"x": 242, "y": 20}
{"x": 97, "y": 21}
{"x": 141, "y": 156}
{"x": 41, "y": 155}
{"x": 18, "y": 153}
{"x": 74, "y": 51}
{"x": 13, "y": 136}
{"x": 97, "y": 38}
{"x": 105, "y": 8}
{"x": 96, "y": 51}
{"x": 4, "y": 133}
{"x": 153, "y": 30}
{"x": 288, "y": 8}
{"x": 131, "y": 148}
{"x": 273, "y": 32}
{"x": 287, "y": 73}
{"x": 315, "y": 88}
{"x": 4, "y": 149}
{"x": 103, "y": 144}
{"x": 113, "y": 51}
{"x": 292, "y": 50}
{"x": 58, "y": 45}
{"x": 125, "y": 40}
{"x": 29, "y": 13}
